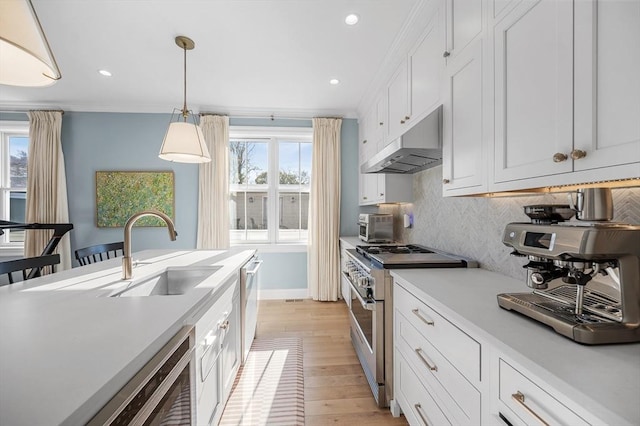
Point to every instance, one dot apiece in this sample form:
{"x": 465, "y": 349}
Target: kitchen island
{"x": 66, "y": 347}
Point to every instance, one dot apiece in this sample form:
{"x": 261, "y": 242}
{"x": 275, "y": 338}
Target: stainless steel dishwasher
{"x": 249, "y": 279}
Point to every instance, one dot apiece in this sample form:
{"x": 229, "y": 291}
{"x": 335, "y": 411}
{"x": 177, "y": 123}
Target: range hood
{"x": 418, "y": 149}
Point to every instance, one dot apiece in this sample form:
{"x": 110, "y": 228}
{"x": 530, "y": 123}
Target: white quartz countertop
{"x": 65, "y": 349}
{"x": 604, "y": 379}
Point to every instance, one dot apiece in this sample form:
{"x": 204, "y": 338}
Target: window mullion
{"x": 274, "y": 183}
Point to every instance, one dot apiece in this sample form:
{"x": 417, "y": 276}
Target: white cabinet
{"x": 464, "y": 141}
{"x": 463, "y": 25}
{"x": 567, "y": 96}
{"x": 522, "y": 401}
{"x": 217, "y": 353}
{"x": 414, "y": 90}
{"x": 398, "y": 101}
{"x": 607, "y": 83}
{"x": 533, "y": 67}
{"x": 376, "y": 188}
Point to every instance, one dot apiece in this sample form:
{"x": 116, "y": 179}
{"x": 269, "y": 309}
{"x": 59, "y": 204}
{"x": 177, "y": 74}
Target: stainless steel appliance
{"x": 376, "y": 228}
{"x": 161, "y": 392}
{"x": 367, "y": 271}
{"x": 585, "y": 278}
{"x": 249, "y": 279}
{"x": 418, "y": 149}
{"x": 592, "y": 204}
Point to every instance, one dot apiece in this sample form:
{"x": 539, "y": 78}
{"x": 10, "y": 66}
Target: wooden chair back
{"x": 30, "y": 267}
{"x": 99, "y": 252}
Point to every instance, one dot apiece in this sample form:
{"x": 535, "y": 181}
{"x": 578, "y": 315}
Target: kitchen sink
{"x": 172, "y": 281}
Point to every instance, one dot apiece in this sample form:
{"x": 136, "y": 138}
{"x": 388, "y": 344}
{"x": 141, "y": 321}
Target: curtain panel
{"x": 213, "y": 185}
{"x": 46, "y": 184}
{"x": 324, "y": 211}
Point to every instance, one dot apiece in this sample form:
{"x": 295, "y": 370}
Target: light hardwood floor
{"x": 336, "y": 391}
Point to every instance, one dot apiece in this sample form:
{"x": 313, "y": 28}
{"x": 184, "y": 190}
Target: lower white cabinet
{"x": 523, "y": 401}
{"x": 217, "y": 354}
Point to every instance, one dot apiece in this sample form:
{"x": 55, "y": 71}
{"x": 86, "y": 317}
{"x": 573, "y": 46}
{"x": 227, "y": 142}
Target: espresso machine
{"x": 585, "y": 275}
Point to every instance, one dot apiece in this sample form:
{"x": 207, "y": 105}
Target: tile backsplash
{"x": 473, "y": 227}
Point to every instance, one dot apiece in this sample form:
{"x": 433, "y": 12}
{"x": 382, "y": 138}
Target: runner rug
{"x": 269, "y": 389}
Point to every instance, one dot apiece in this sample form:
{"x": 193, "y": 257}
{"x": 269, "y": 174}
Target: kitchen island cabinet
{"x": 562, "y": 381}
{"x": 67, "y": 348}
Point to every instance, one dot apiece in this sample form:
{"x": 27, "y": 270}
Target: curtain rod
{"x": 24, "y": 111}
{"x": 271, "y": 117}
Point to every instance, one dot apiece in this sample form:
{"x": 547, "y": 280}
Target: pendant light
{"x": 184, "y": 141}
{"x": 25, "y": 55}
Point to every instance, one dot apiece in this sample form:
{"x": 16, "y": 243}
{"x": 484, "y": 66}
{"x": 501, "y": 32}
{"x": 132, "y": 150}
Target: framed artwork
{"x": 121, "y": 194}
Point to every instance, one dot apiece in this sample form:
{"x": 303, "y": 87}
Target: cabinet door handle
{"x": 446, "y": 181}
{"x": 446, "y": 54}
{"x": 364, "y": 198}
{"x": 402, "y": 121}
{"x": 519, "y": 398}
{"x": 382, "y": 194}
{"x": 224, "y": 325}
{"x": 559, "y": 157}
{"x": 364, "y": 141}
{"x": 422, "y": 416}
{"x": 416, "y": 312}
{"x": 577, "y": 154}
{"x": 406, "y": 117}
{"x": 424, "y": 359}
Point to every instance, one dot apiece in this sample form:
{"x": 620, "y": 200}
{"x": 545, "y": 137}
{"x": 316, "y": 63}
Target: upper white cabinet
{"x": 607, "y": 83}
{"x": 463, "y": 25}
{"x": 464, "y": 141}
{"x": 415, "y": 88}
{"x": 378, "y": 188}
{"x": 398, "y": 101}
{"x": 533, "y": 67}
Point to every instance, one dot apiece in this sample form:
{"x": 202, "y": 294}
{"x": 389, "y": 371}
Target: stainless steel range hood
{"x": 418, "y": 149}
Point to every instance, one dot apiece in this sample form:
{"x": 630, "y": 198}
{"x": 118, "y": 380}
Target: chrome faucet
{"x": 127, "y": 265}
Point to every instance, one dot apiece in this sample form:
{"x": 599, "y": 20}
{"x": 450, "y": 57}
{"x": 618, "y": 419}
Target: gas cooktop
{"x": 394, "y": 256}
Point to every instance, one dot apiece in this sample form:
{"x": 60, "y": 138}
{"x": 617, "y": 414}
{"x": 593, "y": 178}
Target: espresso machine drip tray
{"x": 594, "y": 302}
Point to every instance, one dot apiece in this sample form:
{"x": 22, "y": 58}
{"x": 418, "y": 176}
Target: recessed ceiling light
{"x": 334, "y": 81}
{"x": 351, "y": 19}
{"x": 105, "y": 73}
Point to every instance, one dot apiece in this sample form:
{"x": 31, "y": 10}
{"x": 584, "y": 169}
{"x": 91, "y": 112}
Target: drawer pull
{"x": 424, "y": 359}
{"x": 519, "y": 398}
{"x": 416, "y": 312}
{"x": 422, "y": 416}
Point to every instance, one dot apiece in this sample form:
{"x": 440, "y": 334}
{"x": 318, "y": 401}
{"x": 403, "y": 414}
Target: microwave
{"x": 376, "y": 228}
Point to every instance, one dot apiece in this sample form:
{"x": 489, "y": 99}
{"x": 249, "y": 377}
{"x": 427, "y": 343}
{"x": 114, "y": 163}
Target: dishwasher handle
{"x": 253, "y": 271}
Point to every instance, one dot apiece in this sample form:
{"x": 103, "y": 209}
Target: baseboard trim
{"x": 277, "y": 294}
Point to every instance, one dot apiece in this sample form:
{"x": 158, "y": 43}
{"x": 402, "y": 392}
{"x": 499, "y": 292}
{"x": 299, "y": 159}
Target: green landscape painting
{"x": 120, "y": 195}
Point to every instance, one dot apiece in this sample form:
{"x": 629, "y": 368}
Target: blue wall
{"x": 121, "y": 141}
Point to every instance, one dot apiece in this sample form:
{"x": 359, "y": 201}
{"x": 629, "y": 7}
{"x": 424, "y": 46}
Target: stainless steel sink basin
{"x": 170, "y": 282}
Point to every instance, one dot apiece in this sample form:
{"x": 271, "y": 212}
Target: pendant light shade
{"x": 25, "y": 56}
{"x": 184, "y": 141}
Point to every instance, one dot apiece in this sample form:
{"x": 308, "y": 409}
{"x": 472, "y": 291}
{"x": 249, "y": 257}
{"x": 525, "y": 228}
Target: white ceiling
{"x": 251, "y": 56}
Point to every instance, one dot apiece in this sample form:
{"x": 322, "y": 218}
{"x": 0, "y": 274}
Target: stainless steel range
{"x": 367, "y": 270}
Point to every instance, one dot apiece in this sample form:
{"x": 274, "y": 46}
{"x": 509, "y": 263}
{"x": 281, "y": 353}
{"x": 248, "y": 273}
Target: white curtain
{"x": 46, "y": 184}
{"x": 324, "y": 211}
{"x": 213, "y": 185}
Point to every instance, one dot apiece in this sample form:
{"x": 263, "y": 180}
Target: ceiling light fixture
{"x": 105, "y": 73}
{"x": 351, "y": 19}
{"x": 184, "y": 141}
{"x": 25, "y": 55}
{"x": 334, "y": 81}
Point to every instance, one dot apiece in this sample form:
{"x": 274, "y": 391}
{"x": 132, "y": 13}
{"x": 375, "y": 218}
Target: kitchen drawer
{"x": 456, "y": 346}
{"x": 417, "y": 404}
{"x": 534, "y": 400}
{"x": 449, "y": 387}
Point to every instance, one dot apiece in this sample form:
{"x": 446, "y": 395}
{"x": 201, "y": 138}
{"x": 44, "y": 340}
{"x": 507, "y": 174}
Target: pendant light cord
{"x": 185, "y": 113}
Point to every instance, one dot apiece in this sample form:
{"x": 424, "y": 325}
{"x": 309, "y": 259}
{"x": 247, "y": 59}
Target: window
{"x": 270, "y": 177}
{"x": 14, "y": 152}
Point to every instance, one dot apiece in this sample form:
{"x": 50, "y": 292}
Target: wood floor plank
{"x": 336, "y": 389}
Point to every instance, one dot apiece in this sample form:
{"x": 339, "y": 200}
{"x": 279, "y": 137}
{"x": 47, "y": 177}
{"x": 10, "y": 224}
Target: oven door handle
{"x": 369, "y": 305}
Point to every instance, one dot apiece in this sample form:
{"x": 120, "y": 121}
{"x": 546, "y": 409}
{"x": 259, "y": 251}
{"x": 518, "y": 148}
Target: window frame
{"x": 7, "y": 130}
{"x": 272, "y": 135}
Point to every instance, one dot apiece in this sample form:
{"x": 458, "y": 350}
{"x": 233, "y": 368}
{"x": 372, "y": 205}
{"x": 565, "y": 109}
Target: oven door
{"x": 367, "y": 336}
